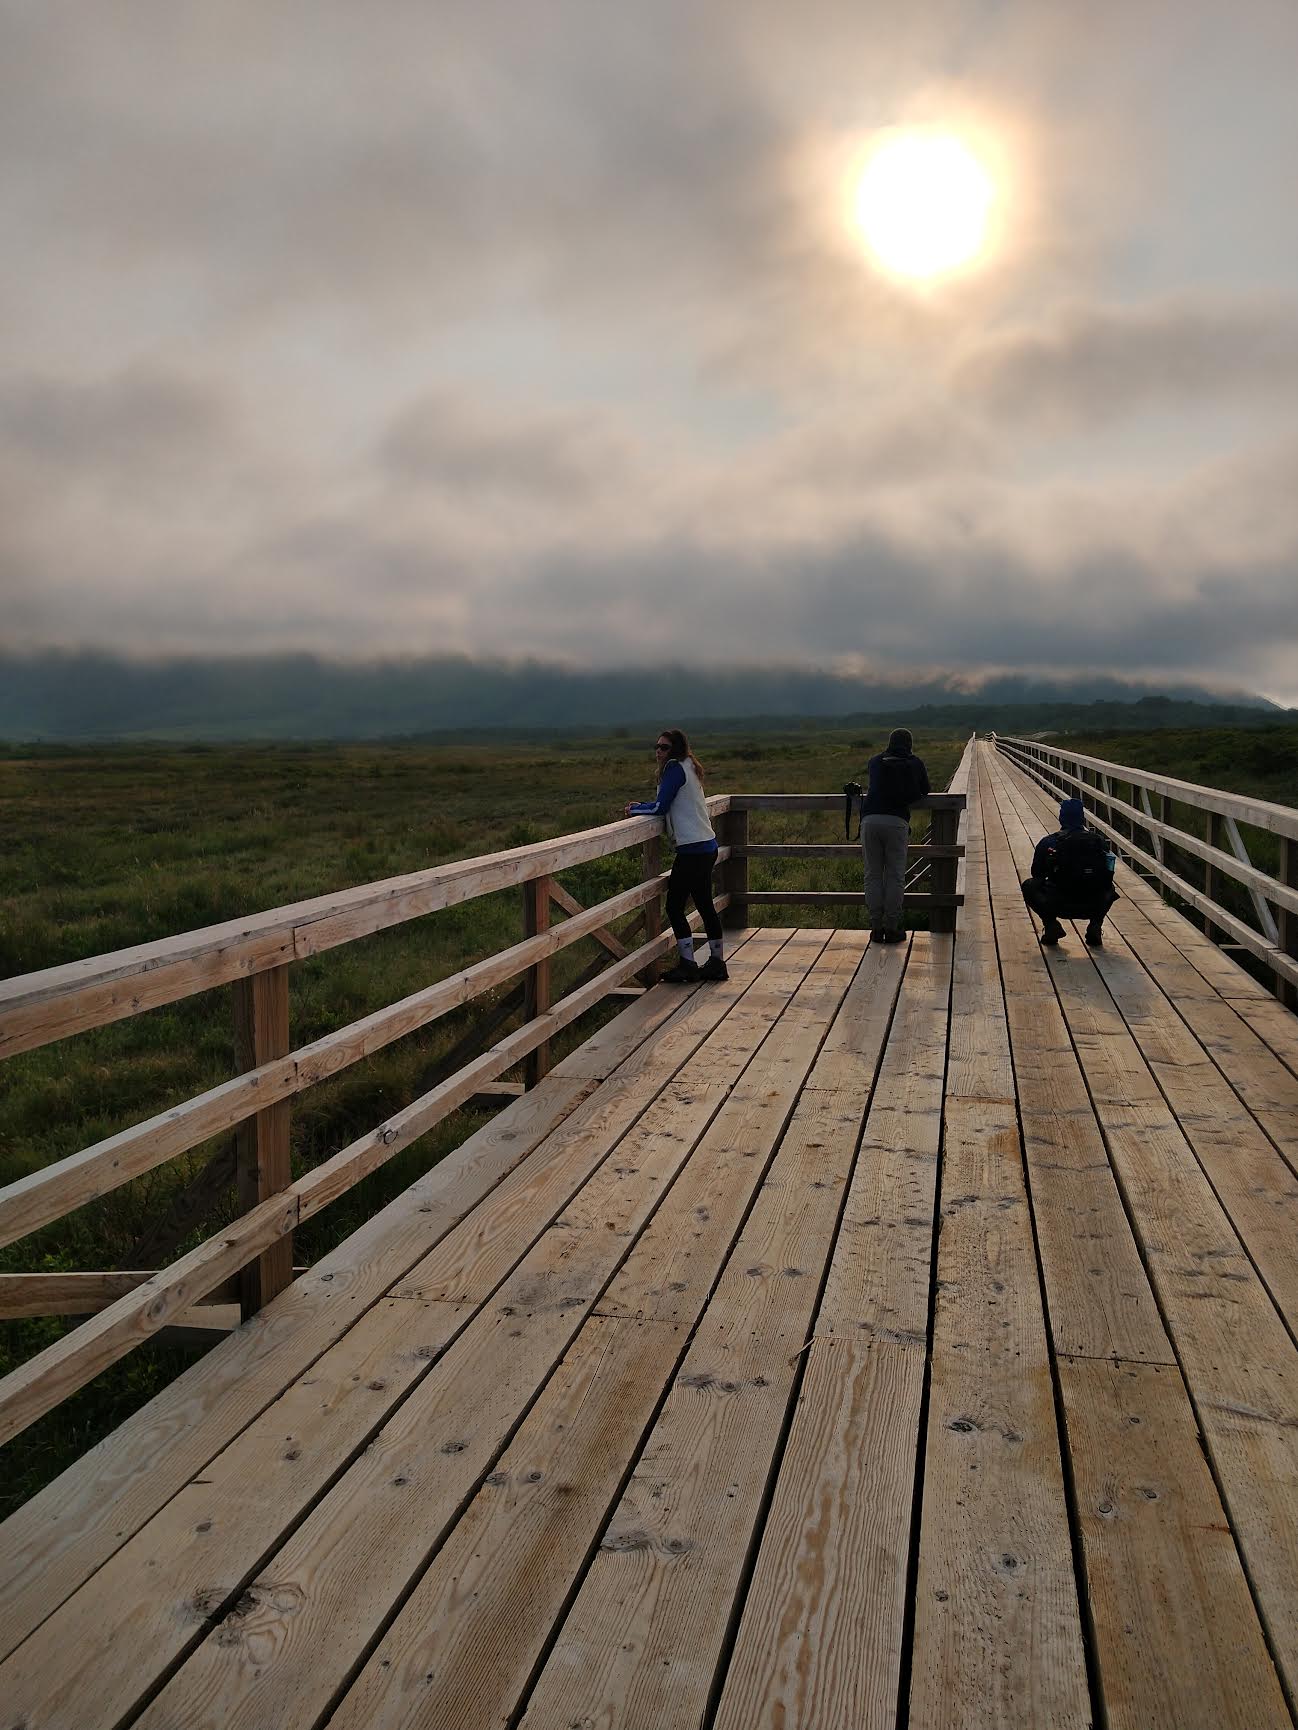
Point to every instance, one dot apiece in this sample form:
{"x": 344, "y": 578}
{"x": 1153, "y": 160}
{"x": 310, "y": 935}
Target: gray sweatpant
{"x": 883, "y": 847}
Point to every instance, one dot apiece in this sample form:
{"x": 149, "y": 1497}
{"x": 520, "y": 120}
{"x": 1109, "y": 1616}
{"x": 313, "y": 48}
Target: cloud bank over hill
{"x": 56, "y": 697}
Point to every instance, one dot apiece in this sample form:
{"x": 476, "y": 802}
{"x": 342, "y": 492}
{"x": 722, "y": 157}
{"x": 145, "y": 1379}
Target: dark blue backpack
{"x": 1081, "y": 870}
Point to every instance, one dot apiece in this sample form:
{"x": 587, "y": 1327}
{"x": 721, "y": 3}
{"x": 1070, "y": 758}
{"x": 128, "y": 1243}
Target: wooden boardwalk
{"x": 892, "y": 1336}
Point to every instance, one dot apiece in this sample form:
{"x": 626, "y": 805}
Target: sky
{"x": 548, "y": 329}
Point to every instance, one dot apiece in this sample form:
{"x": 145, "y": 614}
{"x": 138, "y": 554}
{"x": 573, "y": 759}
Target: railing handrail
{"x": 37, "y": 1008}
{"x": 1275, "y": 898}
{"x": 1261, "y": 813}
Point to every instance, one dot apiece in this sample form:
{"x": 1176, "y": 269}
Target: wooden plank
{"x": 914, "y": 898}
{"x": 849, "y": 1056}
{"x": 997, "y": 1628}
{"x": 1100, "y": 1300}
{"x": 470, "y": 1261}
{"x": 324, "y": 1593}
{"x": 842, "y": 850}
{"x": 90, "y": 1661}
{"x": 1239, "y": 1361}
{"x": 480, "y": 1615}
{"x": 819, "y": 1645}
{"x": 57, "y": 1539}
{"x": 820, "y": 1640}
{"x": 570, "y": 904}
{"x": 1176, "y": 1633}
{"x": 642, "y": 1641}
{"x": 997, "y": 1638}
{"x": 65, "y": 1294}
{"x": 60, "y": 1536}
{"x": 1256, "y": 1187}
{"x": 802, "y": 802}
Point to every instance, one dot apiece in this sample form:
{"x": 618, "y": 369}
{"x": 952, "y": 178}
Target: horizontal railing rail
{"x": 253, "y": 956}
{"x": 941, "y": 852}
{"x": 1273, "y": 898}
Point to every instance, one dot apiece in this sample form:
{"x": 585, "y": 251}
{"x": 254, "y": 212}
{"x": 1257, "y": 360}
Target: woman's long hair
{"x": 680, "y": 751}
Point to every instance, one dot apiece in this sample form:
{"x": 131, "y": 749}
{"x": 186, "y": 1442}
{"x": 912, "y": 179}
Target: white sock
{"x": 716, "y": 946}
{"x": 686, "y": 947}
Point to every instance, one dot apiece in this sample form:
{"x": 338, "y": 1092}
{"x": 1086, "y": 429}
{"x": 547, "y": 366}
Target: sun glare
{"x": 922, "y": 204}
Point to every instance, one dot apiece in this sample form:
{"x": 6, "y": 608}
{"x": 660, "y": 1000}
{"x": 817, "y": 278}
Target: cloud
{"x": 1095, "y": 364}
{"x": 419, "y": 329}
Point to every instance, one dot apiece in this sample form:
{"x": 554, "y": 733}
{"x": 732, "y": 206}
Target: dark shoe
{"x": 894, "y": 937}
{"x": 714, "y": 968}
{"x": 1052, "y": 933}
{"x": 684, "y": 973}
{"x": 878, "y": 935}
{"x": 1095, "y": 937}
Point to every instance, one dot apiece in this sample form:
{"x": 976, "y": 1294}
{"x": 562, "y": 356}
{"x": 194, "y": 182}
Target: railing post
{"x": 944, "y": 827}
{"x": 536, "y": 981}
{"x": 1287, "y": 921}
{"x": 1216, "y": 828}
{"x": 734, "y": 873}
{"x": 261, "y": 1146}
{"x": 651, "y": 867}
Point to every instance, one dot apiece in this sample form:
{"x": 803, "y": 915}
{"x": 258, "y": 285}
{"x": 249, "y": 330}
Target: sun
{"x": 922, "y": 204}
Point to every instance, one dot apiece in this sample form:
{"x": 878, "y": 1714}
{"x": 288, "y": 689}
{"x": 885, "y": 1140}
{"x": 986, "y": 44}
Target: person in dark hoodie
{"x": 1072, "y": 877}
{"x": 896, "y": 780}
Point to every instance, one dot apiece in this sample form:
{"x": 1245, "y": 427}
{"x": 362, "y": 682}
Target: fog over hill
{"x": 70, "y": 696}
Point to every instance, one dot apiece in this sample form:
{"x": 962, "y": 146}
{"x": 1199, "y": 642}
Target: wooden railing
{"x": 253, "y": 957}
{"x": 940, "y": 851}
{"x": 1148, "y": 836}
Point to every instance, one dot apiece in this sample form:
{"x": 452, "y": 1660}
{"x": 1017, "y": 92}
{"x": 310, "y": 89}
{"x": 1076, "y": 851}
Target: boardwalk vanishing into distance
{"x": 892, "y": 1336}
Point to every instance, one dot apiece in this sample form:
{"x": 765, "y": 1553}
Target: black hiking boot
{"x": 714, "y": 968}
{"x": 1095, "y": 936}
{"x": 684, "y": 973}
{"x": 1052, "y": 933}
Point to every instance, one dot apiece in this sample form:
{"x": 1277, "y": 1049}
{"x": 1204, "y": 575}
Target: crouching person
{"x": 1072, "y": 877}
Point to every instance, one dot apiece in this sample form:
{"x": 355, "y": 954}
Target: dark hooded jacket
{"x": 1074, "y": 858}
{"x": 897, "y": 779}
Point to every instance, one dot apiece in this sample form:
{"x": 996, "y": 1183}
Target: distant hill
{"x": 74, "y": 697}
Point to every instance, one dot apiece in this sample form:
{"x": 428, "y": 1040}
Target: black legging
{"x": 691, "y": 879}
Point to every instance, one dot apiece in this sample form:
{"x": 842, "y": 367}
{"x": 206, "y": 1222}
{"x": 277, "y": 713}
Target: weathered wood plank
{"x": 89, "y": 1663}
{"x": 482, "y": 1612}
{"x": 1177, "y": 1637}
{"x": 67, "y": 1294}
{"x": 1255, "y": 1186}
{"x": 645, "y": 1634}
{"x": 1239, "y": 1361}
{"x": 320, "y": 1598}
{"x": 820, "y": 1640}
{"x": 997, "y": 1638}
{"x": 57, "y": 1539}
